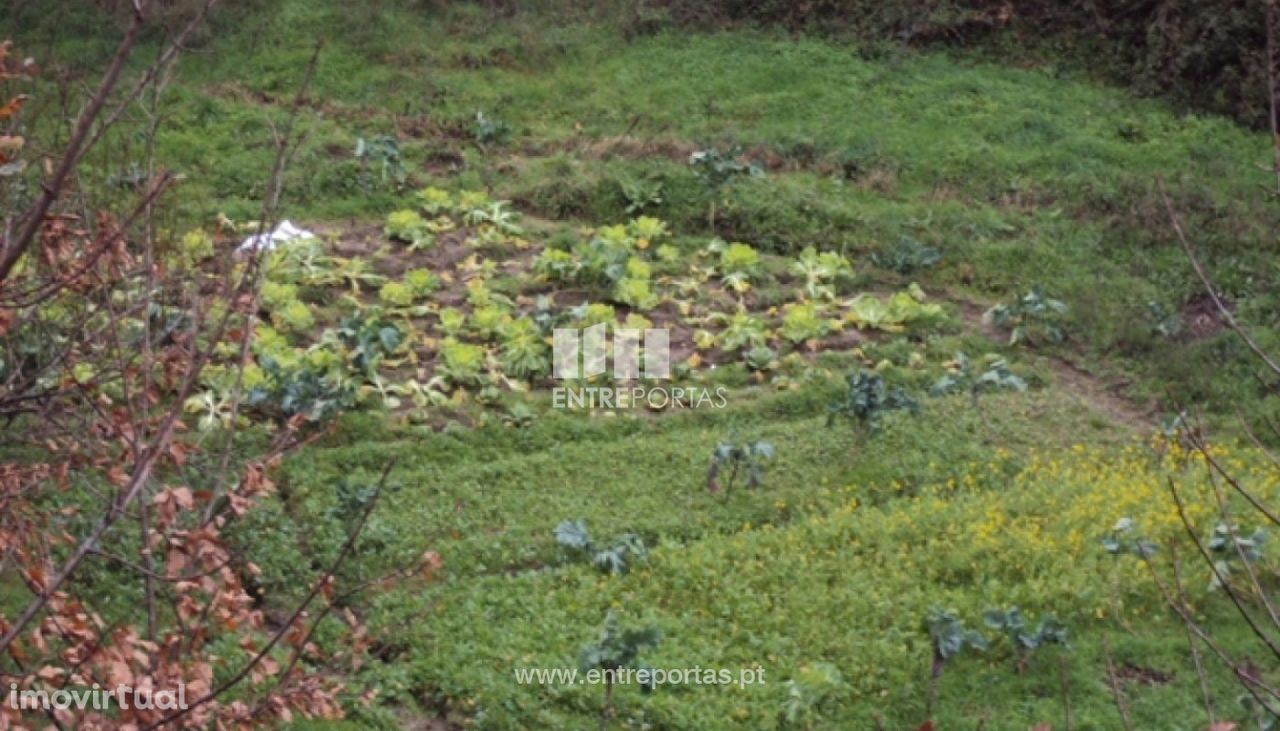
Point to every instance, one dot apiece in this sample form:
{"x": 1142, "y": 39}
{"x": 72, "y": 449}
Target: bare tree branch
{"x": 316, "y": 588}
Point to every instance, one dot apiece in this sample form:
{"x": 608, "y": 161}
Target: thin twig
{"x": 266, "y": 224}
{"x": 316, "y": 588}
{"x": 1251, "y": 683}
{"x": 1253, "y": 500}
{"x": 1221, "y": 579}
{"x": 1114, "y": 683}
{"x": 1191, "y": 639}
{"x": 1223, "y": 310}
{"x": 12, "y": 250}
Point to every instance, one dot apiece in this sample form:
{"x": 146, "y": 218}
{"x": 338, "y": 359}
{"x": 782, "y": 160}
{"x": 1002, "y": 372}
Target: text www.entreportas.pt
{"x": 741, "y": 677}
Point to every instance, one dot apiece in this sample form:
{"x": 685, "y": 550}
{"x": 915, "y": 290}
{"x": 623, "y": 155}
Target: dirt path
{"x": 1107, "y": 397}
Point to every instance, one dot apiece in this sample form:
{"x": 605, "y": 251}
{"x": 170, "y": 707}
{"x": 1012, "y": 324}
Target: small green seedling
{"x": 867, "y": 400}
{"x": 1231, "y": 546}
{"x": 1124, "y": 539}
{"x": 1032, "y": 318}
{"x": 962, "y": 376}
{"x": 1012, "y": 623}
{"x": 616, "y": 557}
{"x": 749, "y": 456}
{"x": 949, "y": 637}
{"x": 619, "y": 649}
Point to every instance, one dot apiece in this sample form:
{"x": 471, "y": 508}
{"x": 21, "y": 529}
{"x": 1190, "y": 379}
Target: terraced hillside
{"x": 820, "y": 230}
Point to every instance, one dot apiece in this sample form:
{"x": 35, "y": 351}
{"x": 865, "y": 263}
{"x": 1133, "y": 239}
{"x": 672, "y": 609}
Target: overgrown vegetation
{"x": 819, "y": 230}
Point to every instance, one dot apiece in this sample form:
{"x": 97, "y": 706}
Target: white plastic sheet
{"x": 283, "y": 234}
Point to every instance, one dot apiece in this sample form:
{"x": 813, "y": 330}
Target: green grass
{"x": 1019, "y": 176}
{"x": 490, "y": 501}
{"x": 784, "y": 576}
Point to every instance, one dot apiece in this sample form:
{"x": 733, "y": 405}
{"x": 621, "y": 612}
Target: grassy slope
{"x": 785, "y": 576}
{"x": 1019, "y": 176}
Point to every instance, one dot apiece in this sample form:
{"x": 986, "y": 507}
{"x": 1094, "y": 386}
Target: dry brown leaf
{"x": 13, "y": 107}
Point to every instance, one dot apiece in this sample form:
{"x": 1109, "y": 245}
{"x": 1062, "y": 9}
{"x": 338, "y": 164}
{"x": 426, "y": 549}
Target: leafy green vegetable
{"x": 741, "y": 258}
{"x": 761, "y": 358}
{"x": 901, "y": 309}
{"x": 1031, "y": 318}
{"x": 742, "y": 331}
{"x": 614, "y": 558}
{"x": 907, "y": 256}
{"x": 368, "y": 341}
{"x": 820, "y": 272}
{"x": 1123, "y": 538}
{"x": 421, "y": 282}
{"x": 294, "y": 317}
{"x": 867, "y": 399}
{"x": 410, "y": 227}
{"x": 750, "y": 456}
{"x": 434, "y": 201}
{"x": 647, "y": 230}
{"x": 525, "y": 354}
{"x": 1013, "y": 625}
{"x": 815, "y": 684}
{"x": 949, "y": 635}
{"x": 962, "y": 376}
{"x": 636, "y": 293}
{"x": 802, "y": 321}
{"x": 616, "y": 649}
{"x": 461, "y": 364}
{"x": 396, "y": 293}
